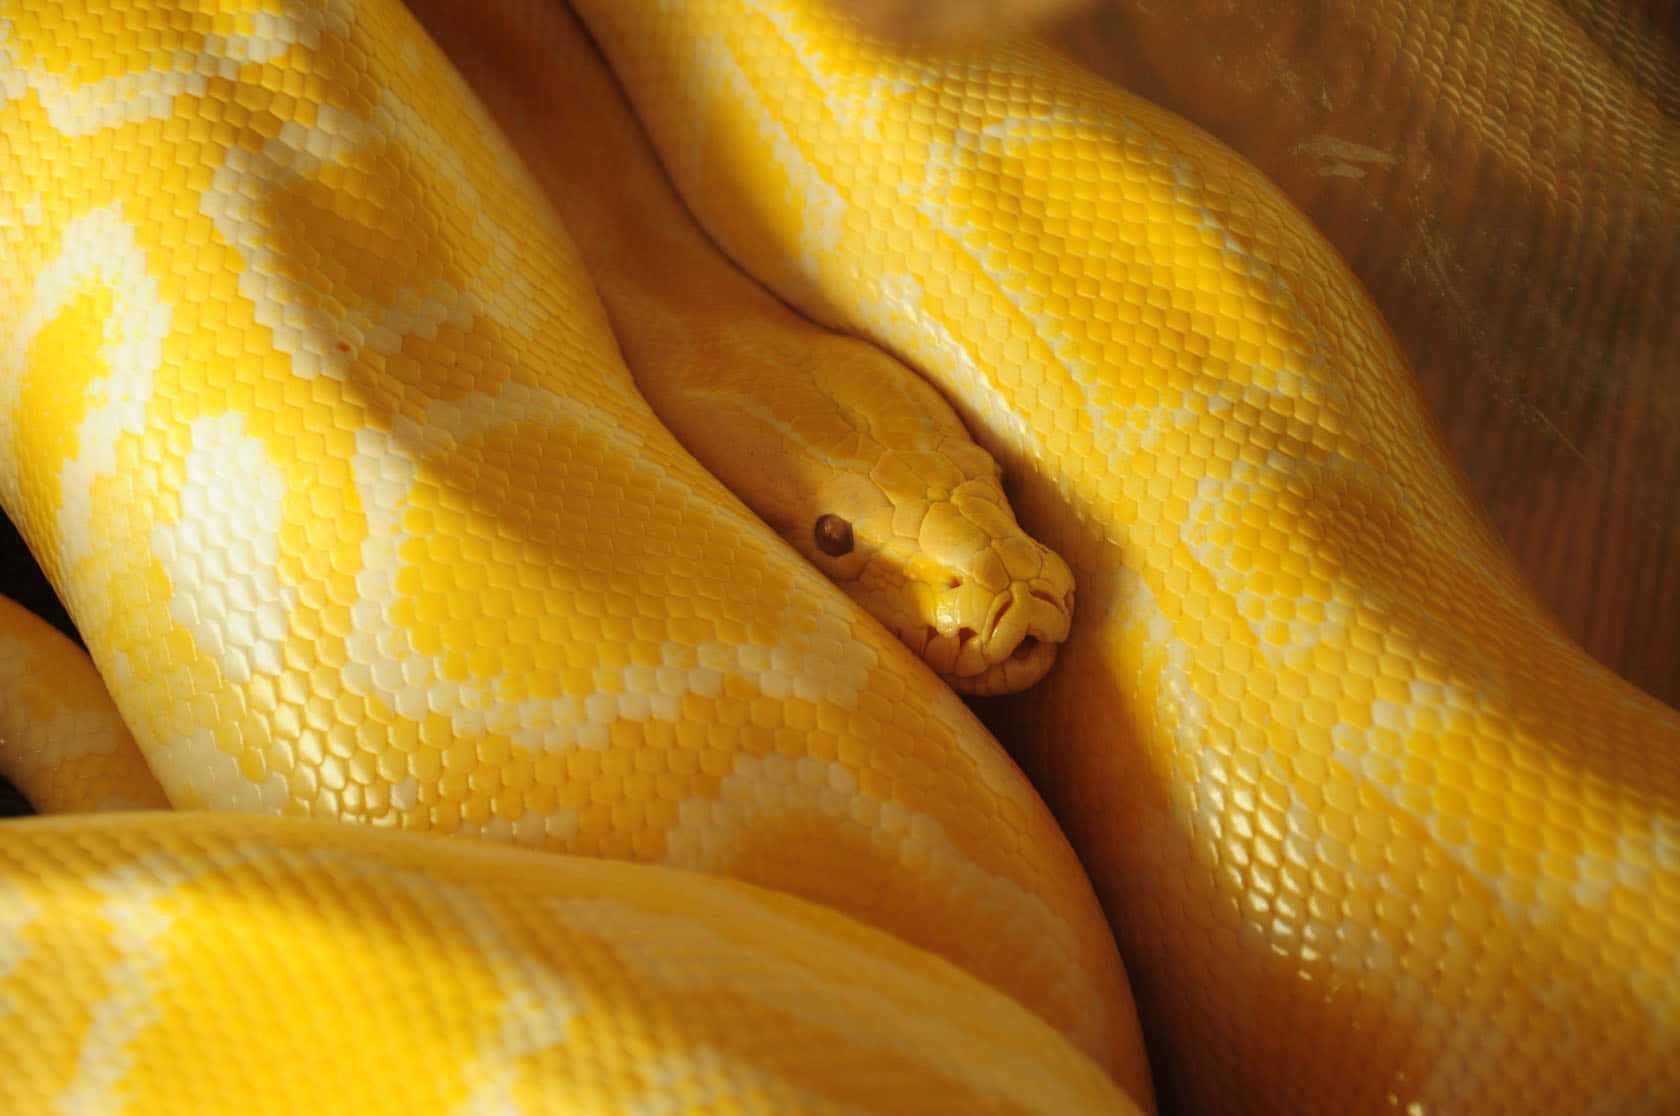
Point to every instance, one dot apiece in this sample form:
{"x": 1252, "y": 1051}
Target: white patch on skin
{"x": 1208, "y": 539}
{"x": 511, "y": 301}
{"x": 17, "y": 913}
{"x": 1226, "y": 805}
{"x": 405, "y": 794}
{"x": 96, "y": 251}
{"x": 538, "y": 1002}
{"x": 73, "y": 734}
{"x": 535, "y": 1016}
{"x": 1378, "y": 761}
{"x": 308, "y": 322}
{"x": 892, "y": 307}
{"x": 822, "y": 208}
{"x": 703, "y": 1078}
{"x": 304, "y": 323}
{"x": 819, "y": 203}
{"x": 761, "y": 790}
{"x": 1020, "y": 289}
{"x": 1135, "y": 616}
{"x": 537, "y": 1007}
{"x": 753, "y": 406}
{"x": 222, "y": 557}
{"x": 409, "y": 52}
{"x": 196, "y": 773}
{"x": 78, "y": 109}
{"x": 66, "y": 713}
{"x": 384, "y": 663}
{"x": 139, "y": 932}
{"x": 531, "y": 829}
{"x": 897, "y": 311}
{"x": 696, "y": 953}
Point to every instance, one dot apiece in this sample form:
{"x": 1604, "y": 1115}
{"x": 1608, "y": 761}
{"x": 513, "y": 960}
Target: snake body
{"x": 807, "y": 426}
{"x": 315, "y": 421}
{"x": 63, "y": 743}
{"x": 1504, "y": 177}
{"x": 270, "y": 965}
{"x": 1372, "y": 833}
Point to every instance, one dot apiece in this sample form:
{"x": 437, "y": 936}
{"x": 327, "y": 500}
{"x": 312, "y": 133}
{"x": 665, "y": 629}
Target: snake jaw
{"x": 1016, "y": 645}
{"x": 971, "y": 663}
{"x": 915, "y": 528}
{"x": 978, "y": 638}
{"x": 991, "y": 624}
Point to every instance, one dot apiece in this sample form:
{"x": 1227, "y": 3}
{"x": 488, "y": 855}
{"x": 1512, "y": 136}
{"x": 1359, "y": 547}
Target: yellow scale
{"x": 315, "y": 419}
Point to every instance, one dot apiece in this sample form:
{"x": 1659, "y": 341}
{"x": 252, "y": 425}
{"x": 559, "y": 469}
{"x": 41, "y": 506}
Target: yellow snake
{"x": 850, "y": 455}
{"x": 315, "y": 421}
{"x": 1372, "y": 833}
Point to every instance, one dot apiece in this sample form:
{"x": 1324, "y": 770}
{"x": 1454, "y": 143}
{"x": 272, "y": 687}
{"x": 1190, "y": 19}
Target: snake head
{"x": 866, "y": 470}
{"x": 927, "y": 543}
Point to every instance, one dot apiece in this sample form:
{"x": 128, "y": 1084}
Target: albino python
{"x": 313, "y": 418}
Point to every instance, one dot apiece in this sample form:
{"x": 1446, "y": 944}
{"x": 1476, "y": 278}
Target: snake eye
{"x": 834, "y": 535}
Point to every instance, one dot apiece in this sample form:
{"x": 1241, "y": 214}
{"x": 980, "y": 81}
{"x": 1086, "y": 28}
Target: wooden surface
{"x": 1505, "y": 179}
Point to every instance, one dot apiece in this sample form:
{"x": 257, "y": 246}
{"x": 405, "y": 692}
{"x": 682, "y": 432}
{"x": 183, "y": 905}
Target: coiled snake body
{"x": 314, "y": 419}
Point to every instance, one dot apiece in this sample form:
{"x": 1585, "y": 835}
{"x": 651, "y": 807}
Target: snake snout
{"x": 1013, "y": 645}
{"x": 982, "y": 602}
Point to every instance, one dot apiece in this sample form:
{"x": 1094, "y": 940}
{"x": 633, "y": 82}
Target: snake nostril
{"x": 954, "y": 583}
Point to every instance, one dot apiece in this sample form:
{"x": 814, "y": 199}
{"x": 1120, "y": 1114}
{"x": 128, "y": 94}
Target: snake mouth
{"x": 1030, "y": 660}
{"x": 1013, "y": 648}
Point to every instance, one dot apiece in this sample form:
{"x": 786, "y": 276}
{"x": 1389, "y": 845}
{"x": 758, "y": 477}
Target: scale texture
{"x": 62, "y": 742}
{"x": 360, "y": 971}
{"x": 313, "y": 417}
{"x": 800, "y": 422}
{"x": 1373, "y": 834}
{"x": 1504, "y": 177}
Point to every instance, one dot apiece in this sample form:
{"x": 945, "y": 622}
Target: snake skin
{"x": 313, "y": 418}
{"x": 1373, "y": 833}
{"x": 803, "y": 424}
{"x": 62, "y": 742}
{"x": 209, "y": 963}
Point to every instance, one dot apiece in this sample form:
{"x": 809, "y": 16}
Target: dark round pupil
{"x": 834, "y": 535}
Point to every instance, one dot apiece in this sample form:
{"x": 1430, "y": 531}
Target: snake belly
{"x": 1374, "y": 835}
{"x": 314, "y": 420}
